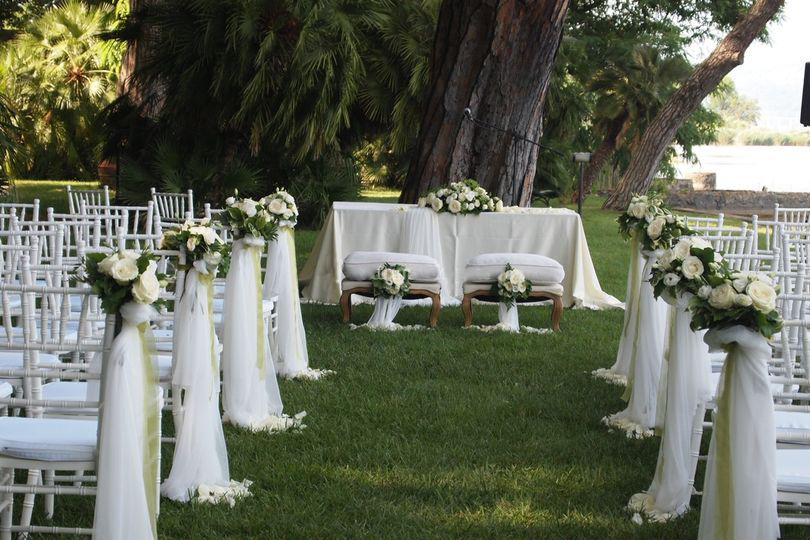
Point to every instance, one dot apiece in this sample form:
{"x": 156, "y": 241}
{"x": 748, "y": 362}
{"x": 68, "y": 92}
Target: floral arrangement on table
{"x": 732, "y": 298}
{"x": 512, "y": 285}
{"x": 687, "y": 266}
{"x": 465, "y": 197}
{"x": 121, "y": 277}
{"x": 652, "y": 223}
{"x": 248, "y": 217}
{"x": 282, "y": 208}
{"x": 391, "y": 280}
{"x": 203, "y": 246}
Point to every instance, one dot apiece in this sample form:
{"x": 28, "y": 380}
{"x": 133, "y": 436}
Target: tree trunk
{"x": 495, "y": 57}
{"x": 704, "y": 79}
{"x": 598, "y": 159}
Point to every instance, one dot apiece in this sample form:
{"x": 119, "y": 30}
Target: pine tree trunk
{"x": 704, "y": 79}
{"x": 495, "y": 57}
{"x": 598, "y": 160}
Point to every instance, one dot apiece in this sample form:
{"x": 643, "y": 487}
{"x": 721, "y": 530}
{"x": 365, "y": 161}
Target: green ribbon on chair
{"x": 151, "y": 440}
{"x": 724, "y": 510}
{"x": 208, "y": 282}
{"x": 256, "y": 254}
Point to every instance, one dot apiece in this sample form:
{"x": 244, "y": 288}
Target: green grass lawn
{"x": 51, "y": 193}
{"x": 444, "y": 433}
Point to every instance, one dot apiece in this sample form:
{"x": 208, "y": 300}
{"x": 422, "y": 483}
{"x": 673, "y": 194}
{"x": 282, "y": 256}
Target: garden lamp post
{"x": 582, "y": 158}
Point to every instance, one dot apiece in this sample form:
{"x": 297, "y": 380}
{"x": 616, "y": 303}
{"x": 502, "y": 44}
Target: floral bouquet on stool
{"x": 282, "y": 208}
{"x": 465, "y": 197}
{"x": 390, "y": 283}
{"x": 511, "y": 286}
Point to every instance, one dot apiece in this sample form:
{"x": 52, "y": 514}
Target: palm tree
{"x": 629, "y": 91}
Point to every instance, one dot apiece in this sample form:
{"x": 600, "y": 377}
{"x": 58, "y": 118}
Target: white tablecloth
{"x": 553, "y": 232}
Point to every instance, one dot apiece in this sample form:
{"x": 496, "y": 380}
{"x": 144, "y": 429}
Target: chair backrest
{"x": 173, "y": 207}
{"x": 96, "y": 197}
{"x": 705, "y": 224}
{"x": 23, "y": 211}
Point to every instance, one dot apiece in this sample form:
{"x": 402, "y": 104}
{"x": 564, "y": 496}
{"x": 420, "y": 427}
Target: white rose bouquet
{"x": 124, "y": 276}
{"x": 282, "y": 208}
{"x": 465, "y": 197}
{"x": 688, "y": 266}
{"x": 248, "y": 217}
{"x": 652, "y": 222}
{"x": 391, "y": 280}
{"x": 203, "y": 246}
{"x": 512, "y": 285}
{"x": 734, "y": 298}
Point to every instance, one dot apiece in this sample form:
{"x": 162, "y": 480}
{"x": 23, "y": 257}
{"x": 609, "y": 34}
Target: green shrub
{"x": 320, "y": 183}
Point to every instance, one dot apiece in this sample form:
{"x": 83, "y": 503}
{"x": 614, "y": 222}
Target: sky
{"x": 773, "y": 72}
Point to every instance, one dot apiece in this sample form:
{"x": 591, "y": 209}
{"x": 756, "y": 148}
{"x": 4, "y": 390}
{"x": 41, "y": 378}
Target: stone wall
{"x": 736, "y": 201}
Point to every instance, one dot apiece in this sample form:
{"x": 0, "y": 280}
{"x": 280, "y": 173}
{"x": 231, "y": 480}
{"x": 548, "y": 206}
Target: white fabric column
{"x": 250, "y": 394}
{"x": 200, "y": 454}
{"x": 618, "y": 372}
{"x": 281, "y": 280}
{"x": 385, "y": 310}
{"x": 638, "y": 419}
{"x": 420, "y": 235}
{"x": 739, "y": 493}
{"x": 688, "y": 387}
{"x": 129, "y": 436}
{"x": 508, "y": 316}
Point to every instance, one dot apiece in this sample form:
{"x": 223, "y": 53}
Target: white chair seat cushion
{"x": 48, "y": 439}
{"x": 550, "y": 288}
{"x": 67, "y": 391}
{"x": 361, "y": 265}
{"x": 164, "y": 365}
{"x": 5, "y": 390}
{"x": 538, "y": 269}
{"x": 793, "y": 471}
{"x": 432, "y": 287}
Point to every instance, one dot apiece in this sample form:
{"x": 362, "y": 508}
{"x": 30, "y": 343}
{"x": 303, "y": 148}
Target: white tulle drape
{"x": 200, "y": 454}
{"x": 385, "y": 310}
{"x": 281, "y": 280}
{"x": 250, "y": 394}
{"x": 618, "y": 372}
{"x": 684, "y": 392}
{"x": 508, "y": 316}
{"x": 420, "y": 235}
{"x": 638, "y": 419}
{"x": 129, "y": 435}
{"x": 739, "y": 492}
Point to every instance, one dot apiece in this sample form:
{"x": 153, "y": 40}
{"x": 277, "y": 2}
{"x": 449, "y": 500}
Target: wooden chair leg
{"x": 346, "y": 306}
{"x": 556, "y": 313}
{"x": 435, "y": 309}
{"x": 466, "y": 308}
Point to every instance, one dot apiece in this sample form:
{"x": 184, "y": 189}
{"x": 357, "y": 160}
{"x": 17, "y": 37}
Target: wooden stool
{"x": 483, "y": 291}
{"x": 365, "y": 288}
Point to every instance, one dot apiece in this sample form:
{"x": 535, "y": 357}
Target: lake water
{"x": 777, "y": 168}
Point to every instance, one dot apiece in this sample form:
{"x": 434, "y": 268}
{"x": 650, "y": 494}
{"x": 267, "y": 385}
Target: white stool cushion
{"x": 67, "y": 391}
{"x": 361, "y": 265}
{"x": 793, "y": 470}
{"x": 48, "y": 439}
{"x": 537, "y": 268}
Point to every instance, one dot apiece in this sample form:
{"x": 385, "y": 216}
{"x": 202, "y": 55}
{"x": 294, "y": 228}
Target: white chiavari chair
{"x": 23, "y": 211}
{"x": 95, "y": 197}
{"x": 705, "y": 224}
{"x": 173, "y": 207}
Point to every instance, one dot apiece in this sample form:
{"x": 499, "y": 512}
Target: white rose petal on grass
{"x": 670, "y": 279}
{"x": 124, "y": 270}
{"x": 146, "y": 289}
{"x": 692, "y": 267}
{"x": 763, "y": 296}
{"x": 743, "y": 300}
{"x": 656, "y": 227}
{"x": 722, "y": 296}
{"x": 454, "y": 206}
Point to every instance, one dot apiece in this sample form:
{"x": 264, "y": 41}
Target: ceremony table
{"x": 553, "y": 232}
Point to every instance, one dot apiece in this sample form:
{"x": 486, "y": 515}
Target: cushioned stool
{"x": 545, "y": 273}
{"x": 359, "y": 267}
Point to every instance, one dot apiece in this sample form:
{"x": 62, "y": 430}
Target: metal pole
{"x": 581, "y": 179}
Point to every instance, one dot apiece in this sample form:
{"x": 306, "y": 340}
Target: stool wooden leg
{"x": 556, "y": 313}
{"x": 434, "y": 310}
{"x": 466, "y": 308}
{"x": 346, "y": 306}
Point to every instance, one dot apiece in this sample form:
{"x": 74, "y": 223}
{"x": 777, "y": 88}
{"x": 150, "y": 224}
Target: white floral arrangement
{"x": 282, "y": 208}
{"x": 391, "y": 280}
{"x": 460, "y": 198}
{"x": 685, "y": 267}
{"x": 732, "y": 298}
{"x": 124, "y": 276}
{"x": 203, "y": 246}
{"x": 649, "y": 220}
{"x": 248, "y": 217}
{"x": 512, "y": 285}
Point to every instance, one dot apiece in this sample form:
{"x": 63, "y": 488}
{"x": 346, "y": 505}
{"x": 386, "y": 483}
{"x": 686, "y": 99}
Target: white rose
{"x": 522, "y": 287}
{"x": 212, "y": 258}
{"x": 502, "y": 277}
{"x": 700, "y": 243}
{"x": 517, "y": 277}
{"x": 740, "y": 283}
{"x": 722, "y": 296}
{"x": 454, "y": 206}
{"x": 499, "y": 206}
{"x": 649, "y": 216}
{"x": 765, "y": 278}
{"x": 422, "y": 202}
{"x": 276, "y": 207}
{"x": 656, "y": 227}
{"x": 397, "y": 279}
{"x": 637, "y": 210}
{"x": 692, "y": 267}
{"x": 436, "y": 204}
{"x": 229, "y": 201}
{"x": 763, "y": 296}
{"x": 670, "y": 218}
{"x": 665, "y": 260}
{"x": 105, "y": 266}
{"x": 248, "y": 206}
{"x": 392, "y": 289}
{"x": 477, "y": 203}
{"x": 670, "y": 279}
{"x": 124, "y": 270}
{"x": 681, "y": 249}
{"x": 743, "y": 300}
{"x": 210, "y": 236}
{"x": 704, "y": 292}
{"x": 191, "y": 243}
{"x": 470, "y": 196}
